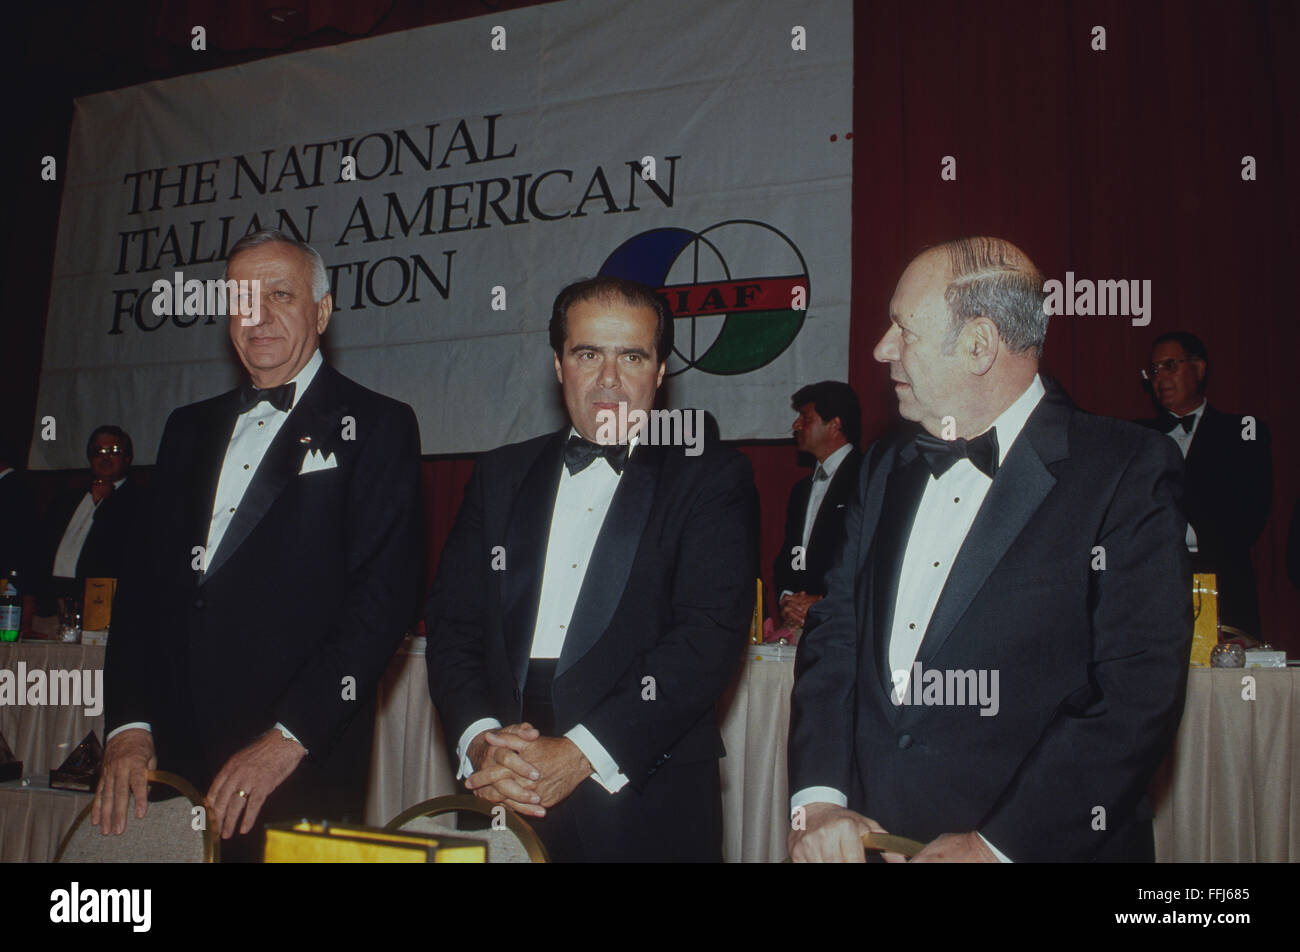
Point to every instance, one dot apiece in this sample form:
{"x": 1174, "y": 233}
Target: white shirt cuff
{"x": 1002, "y": 857}
{"x": 603, "y": 768}
{"x": 462, "y": 748}
{"x": 817, "y": 795}
{"x": 289, "y": 735}
{"x": 134, "y": 725}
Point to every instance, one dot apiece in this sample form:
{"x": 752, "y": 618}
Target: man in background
{"x": 827, "y": 428}
{"x": 1229, "y": 483}
{"x": 88, "y": 531}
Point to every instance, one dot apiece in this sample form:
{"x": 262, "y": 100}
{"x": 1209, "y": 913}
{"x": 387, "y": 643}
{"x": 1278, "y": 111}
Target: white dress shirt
{"x": 252, "y": 436}
{"x": 948, "y": 507}
{"x": 582, "y": 501}
{"x": 1184, "y": 441}
{"x": 74, "y": 536}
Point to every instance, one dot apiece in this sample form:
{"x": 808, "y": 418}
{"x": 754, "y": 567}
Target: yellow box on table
{"x": 306, "y": 842}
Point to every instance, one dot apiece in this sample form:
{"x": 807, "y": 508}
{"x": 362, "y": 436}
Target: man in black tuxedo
{"x": 88, "y": 531}
{"x": 827, "y": 428}
{"x": 275, "y": 575}
{"x": 594, "y": 597}
{"x": 1229, "y": 482}
{"x": 1000, "y": 662}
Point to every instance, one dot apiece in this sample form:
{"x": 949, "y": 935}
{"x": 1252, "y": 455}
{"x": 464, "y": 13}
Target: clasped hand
{"x": 527, "y": 772}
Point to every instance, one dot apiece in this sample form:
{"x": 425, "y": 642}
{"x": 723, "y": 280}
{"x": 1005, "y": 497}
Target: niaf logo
{"x": 735, "y": 282}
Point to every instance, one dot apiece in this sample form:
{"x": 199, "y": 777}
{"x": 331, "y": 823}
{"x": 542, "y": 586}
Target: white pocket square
{"x": 313, "y": 461}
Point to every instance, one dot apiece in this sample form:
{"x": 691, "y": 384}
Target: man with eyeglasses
{"x": 1229, "y": 488}
{"x": 89, "y": 529}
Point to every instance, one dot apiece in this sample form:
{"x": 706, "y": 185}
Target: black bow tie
{"x": 579, "y": 454}
{"x": 1168, "y": 421}
{"x": 940, "y": 455}
{"x": 280, "y": 397}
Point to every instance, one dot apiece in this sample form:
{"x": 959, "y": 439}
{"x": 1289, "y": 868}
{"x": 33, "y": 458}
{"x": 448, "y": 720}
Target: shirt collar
{"x": 1194, "y": 413}
{"x": 831, "y": 463}
{"x": 1012, "y": 420}
{"x": 6, "y": 471}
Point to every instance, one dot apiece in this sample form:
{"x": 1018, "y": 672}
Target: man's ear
{"x": 981, "y": 345}
{"x": 1199, "y": 364}
{"x": 559, "y": 372}
{"x": 324, "y": 310}
{"x": 663, "y": 366}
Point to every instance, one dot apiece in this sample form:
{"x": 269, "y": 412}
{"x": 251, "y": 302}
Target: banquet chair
{"x": 517, "y": 843}
{"x": 165, "y": 835}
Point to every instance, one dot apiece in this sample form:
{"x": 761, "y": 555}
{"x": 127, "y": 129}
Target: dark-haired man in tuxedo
{"x": 1229, "y": 489}
{"x": 1000, "y": 662}
{"x": 594, "y": 597}
{"x": 827, "y": 428}
{"x": 276, "y": 572}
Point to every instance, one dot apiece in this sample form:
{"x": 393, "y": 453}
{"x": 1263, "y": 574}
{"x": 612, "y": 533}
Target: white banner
{"x": 697, "y": 147}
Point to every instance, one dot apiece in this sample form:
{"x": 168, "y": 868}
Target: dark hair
{"x": 1192, "y": 346}
{"x": 606, "y": 289}
{"x": 117, "y": 433}
{"x": 832, "y": 399}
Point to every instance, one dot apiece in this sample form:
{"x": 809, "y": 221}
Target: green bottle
{"x": 11, "y": 608}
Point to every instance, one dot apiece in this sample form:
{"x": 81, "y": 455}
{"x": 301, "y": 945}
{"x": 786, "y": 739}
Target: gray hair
{"x": 990, "y": 277}
{"x": 320, "y": 282}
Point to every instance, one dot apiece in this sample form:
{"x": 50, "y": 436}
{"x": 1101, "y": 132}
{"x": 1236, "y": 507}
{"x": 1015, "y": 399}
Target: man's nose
{"x": 609, "y": 374}
{"x": 886, "y": 349}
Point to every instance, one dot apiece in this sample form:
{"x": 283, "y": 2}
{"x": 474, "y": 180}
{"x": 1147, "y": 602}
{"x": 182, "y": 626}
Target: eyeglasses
{"x": 1164, "y": 367}
{"x": 113, "y": 450}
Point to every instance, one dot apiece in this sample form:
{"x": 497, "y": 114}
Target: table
{"x": 34, "y": 818}
{"x": 1229, "y": 791}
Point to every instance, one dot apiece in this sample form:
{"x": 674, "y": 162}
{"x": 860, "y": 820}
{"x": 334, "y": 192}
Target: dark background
{"x": 1117, "y": 164}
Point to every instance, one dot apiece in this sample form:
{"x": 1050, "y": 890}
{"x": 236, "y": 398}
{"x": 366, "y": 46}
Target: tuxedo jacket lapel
{"x": 612, "y": 558}
{"x": 1019, "y": 488}
{"x": 527, "y": 532}
{"x": 317, "y": 416}
{"x": 903, "y": 491}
